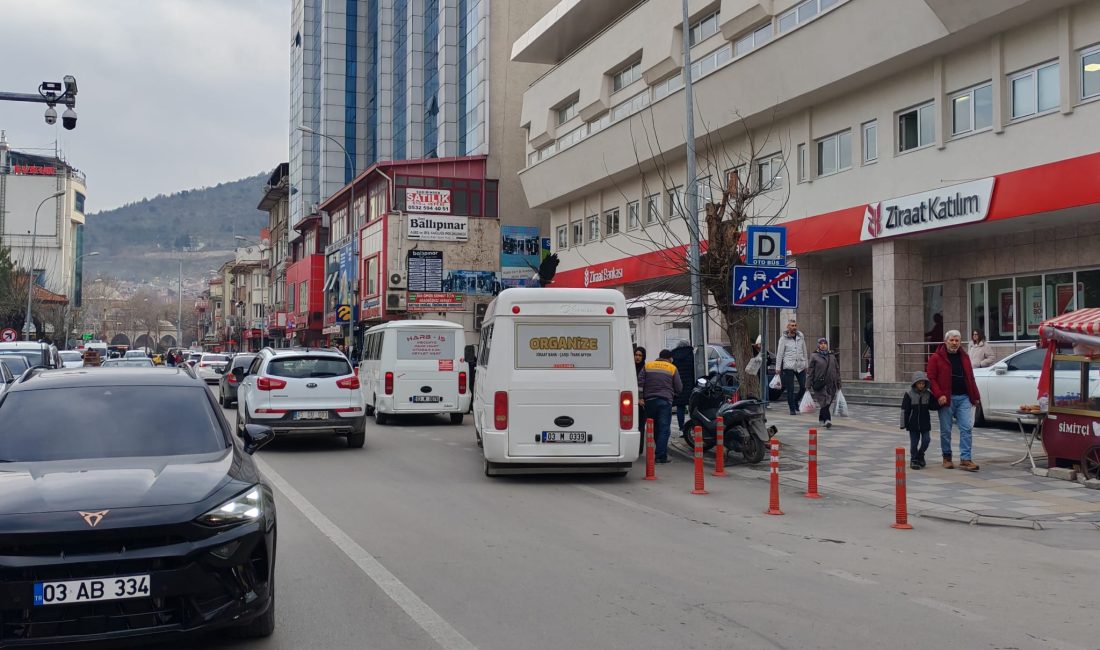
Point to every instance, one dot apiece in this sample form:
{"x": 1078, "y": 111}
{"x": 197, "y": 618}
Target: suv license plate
{"x": 565, "y": 436}
{"x": 82, "y": 591}
{"x": 425, "y": 399}
{"x": 311, "y": 415}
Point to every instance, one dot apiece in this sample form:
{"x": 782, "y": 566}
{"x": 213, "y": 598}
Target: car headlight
{"x": 245, "y": 507}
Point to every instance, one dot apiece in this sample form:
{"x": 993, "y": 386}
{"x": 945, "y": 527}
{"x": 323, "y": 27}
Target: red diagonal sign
{"x": 767, "y": 285}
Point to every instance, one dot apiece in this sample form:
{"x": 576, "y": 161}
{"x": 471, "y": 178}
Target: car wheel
{"x": 456, "y": 418}
{"x": 368, "y": 409}
{"x": 356, "y": 439}
{"x": 380, "y": 417}
{"x": 259, "y": 627}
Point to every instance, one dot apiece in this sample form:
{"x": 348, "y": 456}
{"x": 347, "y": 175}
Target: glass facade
{"x": 463, "y": 34}
{"x": 351, "y": 78}
{"x": 1011, "y": 309}
{"x": 400, "y": 77}
{"x": 431, "y": 78}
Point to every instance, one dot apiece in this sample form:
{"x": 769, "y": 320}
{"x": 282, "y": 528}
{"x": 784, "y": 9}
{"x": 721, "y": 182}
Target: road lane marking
{"x": 768, "y": 550}
{"x": 850, "y": 577}
{"x": 947, "y": 608}
{"x": 621, "y": 501}
{"x": 431, "y": 622}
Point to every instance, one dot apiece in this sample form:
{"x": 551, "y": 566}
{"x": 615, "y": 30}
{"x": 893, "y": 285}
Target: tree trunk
{"x": 737, "y": 329}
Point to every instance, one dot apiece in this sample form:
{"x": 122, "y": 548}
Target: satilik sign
{"x": 949, "y": 206}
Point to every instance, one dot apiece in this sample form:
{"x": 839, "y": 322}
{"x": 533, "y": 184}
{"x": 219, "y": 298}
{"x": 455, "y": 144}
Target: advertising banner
{"x": 424, "y": 270}
{"x": 418, "y": 302}
{"x": 426, "y": 345}
{"x": 563, "y": 346}
{"x": 477, "y": 283}
{"x": 520, "y": 255}
{"x": 435, "y": 228}
{"x": 430, "y": 201}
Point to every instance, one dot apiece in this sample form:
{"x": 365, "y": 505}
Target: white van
{"x": 414, "y": 367}
{"x": 555, "y": 388}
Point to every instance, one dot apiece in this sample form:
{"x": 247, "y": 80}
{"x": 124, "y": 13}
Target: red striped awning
{"x": 1082, "y": 321}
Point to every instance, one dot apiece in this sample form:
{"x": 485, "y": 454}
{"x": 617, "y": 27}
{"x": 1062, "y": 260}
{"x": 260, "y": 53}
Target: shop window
{"x": 972, "y": 110}
{"x": 832, "y": 320}
{"x": 611, "y": 222}
{"x": 578, "y": 233}
{"x": 1060, "y": 294}
{"x": 870, "y": 141}
{"x": 633, "y": 219}
{"x": 977, "y": 312}
{"x": 933, "y": 314}
{"x": 1090, "y": 73}
{"x": 563, "y": 237}
{"x": 834, "y": 153}
{"x": 917, "y": 127}
{"x": 1088, "y": 283}
{"x": 1035, "y": 91}
{"x": 594, "y": 228}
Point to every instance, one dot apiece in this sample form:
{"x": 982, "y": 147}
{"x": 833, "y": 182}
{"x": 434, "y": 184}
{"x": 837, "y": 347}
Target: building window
{"x": 370, "y": 276}
{"x": 611, "y": 222}
{"x": 1090, "y": 73}
{"x": 303, "y": 296}
{"x": 1035, "y": 91}
{"x": 803, "y": 13}
{"x": 627, "y": 76}
{"x": 676, "y": 202}
{"x": 752, "y": 40}
{"x": 735, "y": 179}
{"x": 834, "y": 153}
{"x": 870, "y": 141}
{"x": 291, "y": 294}
{"x": 633, "y": 219}
{"x": 972, "y": 110}
{"x": 567, "y": 112}
{"x": 571, "y": 138}
{"x": 596, "y": 126}
{"x": 708, "y": 63}
{"x": 594, "y": 228}
{"x": 653, "y": 209}
{"x": 630, "y": 106}
{"x": 769, "y": 173}
{"x": 668, "y": 86}
{"x": 578, "y": 233}
{"x": 917, "y": 127}
{"x": 703, "y": 29}
{"x": 563, "y": 237}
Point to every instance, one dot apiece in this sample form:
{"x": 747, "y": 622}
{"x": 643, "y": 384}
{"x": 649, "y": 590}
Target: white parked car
{"x": 135, "y": 354}
{"x": 71, "y": 359}
{"x": 210, "y": 367}
{"x": 1014, "y": 381}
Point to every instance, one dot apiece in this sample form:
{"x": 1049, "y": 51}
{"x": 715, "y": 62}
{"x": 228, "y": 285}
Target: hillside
{"x": 135, "y": 240}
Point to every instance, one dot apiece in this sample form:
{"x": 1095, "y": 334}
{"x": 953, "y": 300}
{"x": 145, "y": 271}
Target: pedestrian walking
{"x": 683, "y": 357}
{"x": 951, "y": 378}
{"x": 916, "y": 417}
{"x": 980, "y": 352}
{"x": 639, "y": 363}
{"x": 824, "y": 375}
{"x": 791, "y": 362}
{"x": 659, "y": 383}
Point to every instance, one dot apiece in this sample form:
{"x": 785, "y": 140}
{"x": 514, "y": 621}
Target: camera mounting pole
{"x": 51, "y": 93}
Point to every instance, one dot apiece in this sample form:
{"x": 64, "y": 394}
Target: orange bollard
{"x": 811, "y": 468}
{"x": 699, "y": 462}
{"x": 901, "y": 511}
{"x": 773, "y": 497}
{"x": 720, "y": 450}
{"x": 650, "y": 473}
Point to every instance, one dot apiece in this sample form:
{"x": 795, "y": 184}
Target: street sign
{"x": 87, "y": 336}
{"x": 755, "y": 286}
{"x": 767, "y": 246}
{"x": 7, "y": 335}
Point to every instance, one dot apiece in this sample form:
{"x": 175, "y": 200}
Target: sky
{"x": 172, "y": 94}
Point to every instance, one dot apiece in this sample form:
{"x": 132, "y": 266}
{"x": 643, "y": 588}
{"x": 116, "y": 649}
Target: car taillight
{"x": 626, "y": 410}
{"x": 231, "y": 378}
{"x": 266, "y": 383}
{"x": 461, "y": 383}
{"x": 351, "y": 383}
{"x": 500, "y": 410}
{"x": 389, "y": 383}
{"x": 203, "y": 365}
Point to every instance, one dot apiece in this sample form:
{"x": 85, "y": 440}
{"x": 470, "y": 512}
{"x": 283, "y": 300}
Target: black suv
{"x": 142, "y": 525}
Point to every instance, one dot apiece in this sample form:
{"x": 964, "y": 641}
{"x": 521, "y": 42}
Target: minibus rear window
{"x": 563, "y": 346}
{"x": 425, "y": 345}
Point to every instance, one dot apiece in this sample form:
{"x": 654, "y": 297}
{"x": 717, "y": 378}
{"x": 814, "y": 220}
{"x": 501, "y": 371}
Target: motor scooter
{"x": 746, "y": 430}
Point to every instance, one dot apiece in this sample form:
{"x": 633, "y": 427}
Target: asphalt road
{"x": 406, "y": 544}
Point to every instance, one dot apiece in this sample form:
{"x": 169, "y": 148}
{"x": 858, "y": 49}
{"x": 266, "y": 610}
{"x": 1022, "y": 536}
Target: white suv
{"x": 300, "y": 391}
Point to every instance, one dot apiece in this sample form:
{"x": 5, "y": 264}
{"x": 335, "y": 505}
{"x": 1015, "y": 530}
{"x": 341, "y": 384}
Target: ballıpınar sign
{"x": 444, "y": 228}
{"x": 948, "y": 206}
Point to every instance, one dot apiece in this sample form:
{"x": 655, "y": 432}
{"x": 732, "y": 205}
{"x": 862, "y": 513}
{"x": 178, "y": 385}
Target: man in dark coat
{"x": 683, "y": 357}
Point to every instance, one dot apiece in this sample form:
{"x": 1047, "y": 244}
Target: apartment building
{"x": 933, "y": 161}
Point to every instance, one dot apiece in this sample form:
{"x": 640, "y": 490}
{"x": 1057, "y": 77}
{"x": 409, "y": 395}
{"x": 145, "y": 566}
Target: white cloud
{"x": 173, "y": 93}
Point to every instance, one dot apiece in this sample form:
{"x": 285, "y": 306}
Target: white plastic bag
{"x": 753, "y": 366}
{"x": 808, "y": 405}
{"x": 840, "y": 405}
{"x": 776, "y": 383}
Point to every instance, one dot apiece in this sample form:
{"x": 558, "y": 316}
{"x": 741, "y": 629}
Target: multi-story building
{"x": 244, "y": 284}
{"x": 276, "y": 202}
{"x": 31, "y": 215}
{"x": 932, "y": 161}
{"x": 394, "y": 80}
{"x": 305, "y": 279}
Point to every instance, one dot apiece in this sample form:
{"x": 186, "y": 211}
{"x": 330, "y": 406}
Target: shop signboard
{"x": 423, "y": 227}
{"x": 424, "y": 271}
{"x": 546, "y": 347}
{"x": 370, "y": 309}
{"x": 343, "y": 313}
{"x": 948, "y": 206}
{"x": 428, "y": 201}
{"x": 435, "y": 301}
{"x": 520, "y": 255}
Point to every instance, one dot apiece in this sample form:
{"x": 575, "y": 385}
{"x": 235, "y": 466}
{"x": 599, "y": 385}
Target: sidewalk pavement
{"x": 856, "y": 460}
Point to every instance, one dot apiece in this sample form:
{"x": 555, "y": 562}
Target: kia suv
{"x": 301, "y": 392}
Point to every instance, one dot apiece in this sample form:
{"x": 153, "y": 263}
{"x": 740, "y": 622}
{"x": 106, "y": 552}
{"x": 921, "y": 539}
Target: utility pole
{"x": 179, "y": 307}
{"x": 691, "y": 196}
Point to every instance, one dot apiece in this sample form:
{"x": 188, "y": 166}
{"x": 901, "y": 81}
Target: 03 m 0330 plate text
{"x": 576, "y": 437}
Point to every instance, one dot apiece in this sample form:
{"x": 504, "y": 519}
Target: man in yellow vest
{"x": 658, "y": 383}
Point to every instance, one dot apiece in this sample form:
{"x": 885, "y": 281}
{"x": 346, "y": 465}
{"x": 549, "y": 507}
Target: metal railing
{"x": 914, "y": 356}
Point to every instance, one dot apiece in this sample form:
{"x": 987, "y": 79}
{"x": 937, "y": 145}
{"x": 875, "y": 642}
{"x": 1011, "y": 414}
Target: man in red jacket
{"x": 953, "y": 387}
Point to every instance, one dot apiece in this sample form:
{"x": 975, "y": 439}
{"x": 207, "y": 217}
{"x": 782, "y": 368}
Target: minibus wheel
{"x": 456, "y": 418}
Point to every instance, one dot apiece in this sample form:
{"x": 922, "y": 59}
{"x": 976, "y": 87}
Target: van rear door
{"x": 426, "y": 370}
{"x": 565, "y": 400}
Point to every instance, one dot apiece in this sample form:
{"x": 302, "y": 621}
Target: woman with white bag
{"x": 824, "y": 379}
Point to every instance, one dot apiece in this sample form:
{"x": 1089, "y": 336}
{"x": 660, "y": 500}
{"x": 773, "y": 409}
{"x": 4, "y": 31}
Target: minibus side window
{"x": 486, "y": 340}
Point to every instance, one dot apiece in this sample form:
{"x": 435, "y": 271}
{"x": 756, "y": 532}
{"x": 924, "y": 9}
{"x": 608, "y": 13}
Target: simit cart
{"x": 1069, "y": 388}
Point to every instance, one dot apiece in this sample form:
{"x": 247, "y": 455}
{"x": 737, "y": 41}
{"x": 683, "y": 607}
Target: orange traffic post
{"x": 811, "y": 468}
{"x": 699, "y": 462}
{"x": 901, "y": 511}
{"x": 720, "y": 450}
{"x": 650, "y": 473}
{"x": 773, "y": 497}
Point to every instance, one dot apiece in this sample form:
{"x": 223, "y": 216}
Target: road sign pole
{"x": 764, "y": 379}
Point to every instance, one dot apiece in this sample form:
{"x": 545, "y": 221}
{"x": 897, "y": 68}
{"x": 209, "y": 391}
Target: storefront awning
{"x": 1074, "y": 328}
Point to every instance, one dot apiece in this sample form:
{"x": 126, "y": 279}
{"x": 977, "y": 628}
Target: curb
{"x": 956, "y": 516}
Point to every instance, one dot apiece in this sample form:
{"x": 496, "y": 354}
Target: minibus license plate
{"x": 311, "y": 415}
{"x": 426, "y": 399}
{"x": 82, "y": 591}
{"x": 564, "y": 436}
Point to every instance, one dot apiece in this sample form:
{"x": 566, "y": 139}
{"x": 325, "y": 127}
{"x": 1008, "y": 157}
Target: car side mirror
{"x": 238, "y": 372}
{"x": 470, "y": 354}
{"x": 1000, "y": 368}
{"x": 256, "y": 436}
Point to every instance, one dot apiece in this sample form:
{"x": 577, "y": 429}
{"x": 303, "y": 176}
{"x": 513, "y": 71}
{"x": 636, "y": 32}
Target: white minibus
{"x": 555, "y": 388}
{"x": 414, "y": 367}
